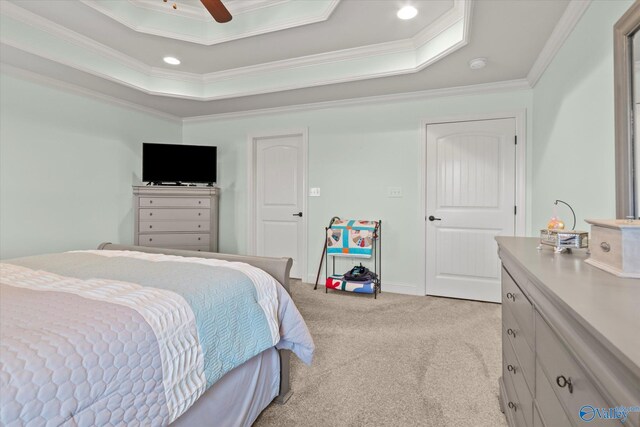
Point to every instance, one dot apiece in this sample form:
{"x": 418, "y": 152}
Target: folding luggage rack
{"x": 353, "y": 239}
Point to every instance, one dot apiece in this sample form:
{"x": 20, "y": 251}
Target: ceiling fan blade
{"x": 217, "y": 10}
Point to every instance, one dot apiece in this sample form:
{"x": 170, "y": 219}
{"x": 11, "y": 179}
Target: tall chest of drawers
{"x": 176, "y": 217}
{"x": 570, "y": 339}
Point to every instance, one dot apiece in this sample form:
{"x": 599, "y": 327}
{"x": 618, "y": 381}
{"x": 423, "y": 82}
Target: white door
{"x": 470, "y": 198}
{"x": 279, "y": 181}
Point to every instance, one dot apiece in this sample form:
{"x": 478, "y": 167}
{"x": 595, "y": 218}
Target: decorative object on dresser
{"x": 563, "y": 240}
{"x": 176, "y": 217}
{"x": 616, "y": 246}
{"x": 571, "y": 352}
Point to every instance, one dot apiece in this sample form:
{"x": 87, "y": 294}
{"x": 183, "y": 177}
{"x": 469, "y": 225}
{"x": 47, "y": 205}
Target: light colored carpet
{"x": 396, "y": 361}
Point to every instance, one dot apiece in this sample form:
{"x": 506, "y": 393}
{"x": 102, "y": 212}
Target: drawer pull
{"x": 150, "y": 213}
{"x": 150, "y": 239}
{"x": 511, "y": 368}
{"x": 605, "y": 247}
{"x": 151, "y": 226}
{"x": 511, "y": 332}
{"x": 150, "y": 201}
{"x": 199, "y": 226}
{"x": 563, "y": 382}
{"x": 513, "y": 406}
{"x": 199, "y": 238}
{"x": 199, "y": 202}
{"x": 199, "y": 213}
{"x": 511, "y": 296}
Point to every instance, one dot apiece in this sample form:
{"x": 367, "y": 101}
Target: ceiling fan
{"x": 215, "y": 8}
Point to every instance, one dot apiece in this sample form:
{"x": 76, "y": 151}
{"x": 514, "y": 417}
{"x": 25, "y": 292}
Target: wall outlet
{"x": 394, "y": 191}
{"x": 314, "y": 192}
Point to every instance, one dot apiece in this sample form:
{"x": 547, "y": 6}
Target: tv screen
{"x": 178, "y": 163}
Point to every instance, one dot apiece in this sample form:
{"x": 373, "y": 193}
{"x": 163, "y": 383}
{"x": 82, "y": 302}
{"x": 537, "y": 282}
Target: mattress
{"x": 118, "y": 337}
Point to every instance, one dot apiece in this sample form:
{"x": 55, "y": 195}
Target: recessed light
{"x": 171, "y": 60}
{"x": 407, "y": 12}
{"x": 477, "y": 63}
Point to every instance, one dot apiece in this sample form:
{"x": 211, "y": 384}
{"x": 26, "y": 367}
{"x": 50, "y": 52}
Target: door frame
{"x": 252, "y": 142}
{"x": 520, "y": 117}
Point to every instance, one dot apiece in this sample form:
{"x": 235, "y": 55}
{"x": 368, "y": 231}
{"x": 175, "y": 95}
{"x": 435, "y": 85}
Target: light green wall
{"x": 355, "y": 153}
{"x": 67, "y": 163}
{"x": 573, "y": 123}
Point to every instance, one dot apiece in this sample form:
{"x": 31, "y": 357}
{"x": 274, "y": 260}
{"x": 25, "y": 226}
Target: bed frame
{"x": 279, "y": 268}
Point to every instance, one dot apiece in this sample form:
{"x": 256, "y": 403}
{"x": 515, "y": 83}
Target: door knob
{"x": 433, "y": 218}
{"x": 298, "y": 214}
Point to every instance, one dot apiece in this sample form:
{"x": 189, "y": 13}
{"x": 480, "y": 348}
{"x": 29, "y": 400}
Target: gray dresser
{"x": 176, "y": 217}
{"x": 570, "y": 339}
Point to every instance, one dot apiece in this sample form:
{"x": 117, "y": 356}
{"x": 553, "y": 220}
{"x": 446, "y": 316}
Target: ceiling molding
{"x": 484, "y": 88}
{"x": 445, "y": 35}
{"x": 218, "y": 34}
{"x": 33, "y": 20}
{"x": 58, "y": 84}
{"x": 199, "y": 13}
{"x": 479, "y": 89}
{"x": 564, "y": 27}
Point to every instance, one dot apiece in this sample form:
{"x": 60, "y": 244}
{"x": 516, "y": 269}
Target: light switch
{"x": 314, "y": 192}
{"x": 394, "y": 191}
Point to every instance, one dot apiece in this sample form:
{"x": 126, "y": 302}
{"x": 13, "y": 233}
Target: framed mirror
{"x": 626, "y": 39}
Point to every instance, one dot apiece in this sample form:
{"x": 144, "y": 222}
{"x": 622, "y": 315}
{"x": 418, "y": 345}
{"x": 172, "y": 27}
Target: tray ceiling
{"x": 271, "y": 46}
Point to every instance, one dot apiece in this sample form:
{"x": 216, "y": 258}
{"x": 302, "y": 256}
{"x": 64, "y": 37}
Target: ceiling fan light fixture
{"x": 407, "y": 12}
{"x": 171, "y": 60}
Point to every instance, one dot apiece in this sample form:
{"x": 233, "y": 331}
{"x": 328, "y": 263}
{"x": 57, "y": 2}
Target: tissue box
{"x": 615, "y": 246}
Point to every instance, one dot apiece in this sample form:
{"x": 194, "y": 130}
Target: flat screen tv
{"x": 175, "y": 164}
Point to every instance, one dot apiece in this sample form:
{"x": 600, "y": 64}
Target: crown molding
{"x": 59, "y": 84}
{"x": 242, "y": 81}
{"x": 194, "y": 12}
{"x": 461, "y": 10}
{"x": 568, "y": 21}
{"x": 479, "y": 89}
{"x": 222, "y": 36}
{"x": 33, "y": 20}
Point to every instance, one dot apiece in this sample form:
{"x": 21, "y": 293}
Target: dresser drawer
{"x": 174, "y": 214}
{"x": 161, "y": 226}
{"x": 166, "y": 240}
{"x": 185, "y": 247}
{"x": 606, "y": 246}
{"x": 518, "y": 303}
{"x": 512, "y": 371}
{"x": 512, "y": 335}
{"x": 174, "y": 202}
{"x": 512, "y": 406}
{"x": 560, "y": 369}
{"x": 552, "y": 412}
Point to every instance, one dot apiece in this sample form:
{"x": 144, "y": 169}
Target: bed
{"x": 128, "y": 335}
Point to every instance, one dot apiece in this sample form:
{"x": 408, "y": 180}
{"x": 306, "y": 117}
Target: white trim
{"x": 222, "y": 36}
{"x": 56, "y": 30}
{"x": 483, "y": 88}
{"x": 569, "y": 19}
{"x": 59, "y": 84}
{"x": 252, "y": 191}
{"x": 520, "y": 116}
{"x": 197, "y": 85}
{"x": 198, "y": 12}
